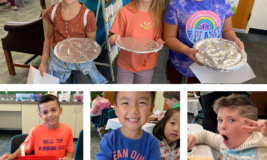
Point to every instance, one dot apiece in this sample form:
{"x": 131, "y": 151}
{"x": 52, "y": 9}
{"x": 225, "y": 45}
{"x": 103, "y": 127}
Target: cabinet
{"x": 29, "y": 117}
{"x": 68, "y": 116}
{"x": 10, "y": 116}
{"x": 79, "y": 121}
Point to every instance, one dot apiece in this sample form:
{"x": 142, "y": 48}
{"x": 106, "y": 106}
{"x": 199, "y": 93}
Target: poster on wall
{"x": 234, "y": 4}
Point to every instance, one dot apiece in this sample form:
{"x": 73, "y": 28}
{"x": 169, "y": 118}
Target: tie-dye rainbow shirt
{"x": 196, "y": 20}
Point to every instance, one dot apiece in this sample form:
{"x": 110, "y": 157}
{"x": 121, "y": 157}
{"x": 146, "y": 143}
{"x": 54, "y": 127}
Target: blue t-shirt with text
{"x": 196, "y": 20}
{"x": 115, "y": 146}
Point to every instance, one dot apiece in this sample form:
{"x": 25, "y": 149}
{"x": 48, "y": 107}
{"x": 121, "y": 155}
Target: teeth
{"x": 133, "y": 119}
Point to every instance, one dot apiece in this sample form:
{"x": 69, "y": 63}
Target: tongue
{"x": 225, "y": 139}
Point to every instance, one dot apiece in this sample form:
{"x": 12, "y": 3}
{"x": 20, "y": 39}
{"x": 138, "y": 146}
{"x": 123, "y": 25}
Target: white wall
{"x": 159, "y": 102}
{"x": 258, "y": 13}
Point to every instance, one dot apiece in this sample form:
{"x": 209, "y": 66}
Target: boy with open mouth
{"x": 241, "y": 135}
{"x": 130, "y": 141}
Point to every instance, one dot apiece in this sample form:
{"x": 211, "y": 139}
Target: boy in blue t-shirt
{"x": 130, "y": 141}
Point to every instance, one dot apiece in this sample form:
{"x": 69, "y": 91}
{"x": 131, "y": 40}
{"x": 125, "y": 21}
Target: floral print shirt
{"x": 169, "y": 152}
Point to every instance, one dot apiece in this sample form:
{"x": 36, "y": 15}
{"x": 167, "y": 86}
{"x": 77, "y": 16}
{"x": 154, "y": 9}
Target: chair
{"x": 111, "y": 114}
{"x": 103, "y": 119}
{"x": 79, "y": 148}
{"x": 16, "y": 141}
{"x": 198, "y": 117}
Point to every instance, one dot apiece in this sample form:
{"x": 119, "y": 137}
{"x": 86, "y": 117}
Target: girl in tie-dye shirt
{"x": 189, "y": 21}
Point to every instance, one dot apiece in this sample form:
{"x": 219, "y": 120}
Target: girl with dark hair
{"x": 167, "y": 131}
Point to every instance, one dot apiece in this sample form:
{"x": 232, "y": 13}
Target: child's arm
{"x": 46, "y": 49}
{"x": 258, "y": 126}
{"x": 205, "y": 137}
{"x": 171, "y": 41}
{"x": 11, "y": 156}
{"x": 91, "y": 35}
{"x": 68, "y": 156}
{"x": 229, "y": 34}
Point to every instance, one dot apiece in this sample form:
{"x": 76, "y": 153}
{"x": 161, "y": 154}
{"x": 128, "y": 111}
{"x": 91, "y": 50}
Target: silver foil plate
{"x": 77, "y": 50}
{"x": 220, "y": 54}
{"x": 138, "y": 45}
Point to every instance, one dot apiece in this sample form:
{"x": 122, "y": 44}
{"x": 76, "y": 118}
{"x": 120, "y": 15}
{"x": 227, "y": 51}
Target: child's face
{"x": 172, "y": 128}
{"x": 50, "y": 113}
{"x": 229, "y": 126}
{"x": 133, "y": 109}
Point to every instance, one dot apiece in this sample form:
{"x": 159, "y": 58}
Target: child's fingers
{"x": 251, "y": 122}
{"x": 250, "y": 129}
{"x": 195, "y": 60}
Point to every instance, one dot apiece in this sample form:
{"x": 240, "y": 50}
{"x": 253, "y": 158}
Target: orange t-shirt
{"x": 135, "y": 24}
{"x": 45, "y": 141}
{"x": 73, "y": 28}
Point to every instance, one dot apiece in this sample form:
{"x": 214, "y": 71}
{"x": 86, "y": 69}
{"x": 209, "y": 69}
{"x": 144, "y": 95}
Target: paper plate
{"x": 220, "y": 54}
{"x": 77, "y": 50}
{"x": 138, "y": 45}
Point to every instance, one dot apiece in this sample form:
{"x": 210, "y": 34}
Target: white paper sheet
{"x": 109, "y": 12}
{"x": 206, "y": 75}
{"x": 34, "y": 77}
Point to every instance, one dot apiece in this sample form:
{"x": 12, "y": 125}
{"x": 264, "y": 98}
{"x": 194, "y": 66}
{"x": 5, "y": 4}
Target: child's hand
{"x": 161, "y": 42}
{"x": 191, "y": 141}
{"x": 66, "y": 158}
{"x": 161, "y": 114}
{"x": 113, "y": 38}
{"x": 239, "y": 43}
{"x": 258, "y": 126}
{"x": 8, "y": 157}
{"x": 42, "y": 69}
{"x": 190, "y": 52}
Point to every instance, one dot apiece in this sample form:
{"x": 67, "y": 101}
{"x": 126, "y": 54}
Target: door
{"x": 241, "y": 17}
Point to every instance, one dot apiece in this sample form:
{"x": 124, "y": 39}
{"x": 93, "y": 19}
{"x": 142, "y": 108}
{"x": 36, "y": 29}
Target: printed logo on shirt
{"x": 121, "y": 154}
{"x": 248, "y": 154}
{"x": 52, "y": 145}
{"x": 146, "y": 25}
{"x": 202, "y": 25}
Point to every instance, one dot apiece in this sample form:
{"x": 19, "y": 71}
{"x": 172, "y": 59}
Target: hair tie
{"x": 102, "y": 93}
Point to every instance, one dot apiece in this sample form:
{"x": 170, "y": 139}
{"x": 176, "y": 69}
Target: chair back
{"x": 79, "y": 148}
{"x": 265, "y": 109}
{"x": 16, "y": 141}
{"x": 111, "y": 114}
{"x": 104, "y": 116}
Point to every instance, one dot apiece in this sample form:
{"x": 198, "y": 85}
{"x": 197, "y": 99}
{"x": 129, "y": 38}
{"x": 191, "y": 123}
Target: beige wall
{"x": 159, "y": 102}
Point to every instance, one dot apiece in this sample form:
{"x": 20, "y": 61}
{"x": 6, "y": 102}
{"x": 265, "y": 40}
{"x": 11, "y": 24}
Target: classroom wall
{"x": 256, "y": 19}
{"x": 159, "y": 101}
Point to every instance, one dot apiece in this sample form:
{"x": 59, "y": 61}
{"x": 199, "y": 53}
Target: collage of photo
{"x": 133, "y": 80}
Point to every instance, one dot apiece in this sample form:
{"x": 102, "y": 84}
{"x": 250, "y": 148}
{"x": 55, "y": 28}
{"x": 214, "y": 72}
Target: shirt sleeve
{"x": 47, "y": 15}
{"x": 105, "y": 148}
{"x": 91, "y": 23}
{"x": 70, "y": 147}
{"x": 171, "y": 13}
{"x": 229, "y": 10}
{"x": 29, "y": 141}
{"x": 95, "y": 108}
{"x": 209, "y": 138}
{"x": 154, "y": 150}
{"x": 119, "y": 24}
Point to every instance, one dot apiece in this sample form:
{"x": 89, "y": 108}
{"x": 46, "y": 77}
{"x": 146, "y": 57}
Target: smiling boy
{"x": 50, "y": 138}
{"x": 239, "y": 138}
{"x": 130, "y": 141}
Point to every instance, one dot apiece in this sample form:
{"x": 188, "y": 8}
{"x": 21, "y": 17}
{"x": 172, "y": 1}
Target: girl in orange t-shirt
{"x": 140, "y": 19}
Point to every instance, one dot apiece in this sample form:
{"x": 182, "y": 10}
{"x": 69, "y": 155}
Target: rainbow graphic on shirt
{"x": 202, "y": 25}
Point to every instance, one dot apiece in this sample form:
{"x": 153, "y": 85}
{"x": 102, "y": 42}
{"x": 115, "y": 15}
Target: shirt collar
{"x": 176, "y": 106}
{"x": 173, "y": 144}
